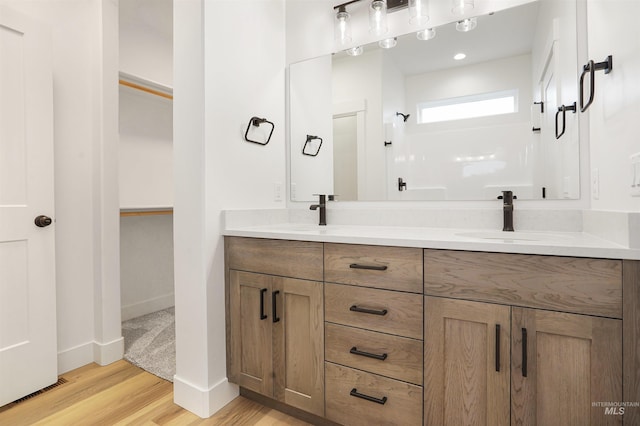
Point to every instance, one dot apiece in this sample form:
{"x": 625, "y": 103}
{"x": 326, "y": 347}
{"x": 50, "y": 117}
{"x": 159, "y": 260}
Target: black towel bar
{"x": 563, "y": 109}
{"x": 309, "y": 139}
{"x": 256, "y": 122}
{"x": 590, "y": 68}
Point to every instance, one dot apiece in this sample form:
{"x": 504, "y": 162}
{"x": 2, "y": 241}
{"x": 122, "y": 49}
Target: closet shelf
{"x": 146, "y": 211}
{"x": 145, "y": 85}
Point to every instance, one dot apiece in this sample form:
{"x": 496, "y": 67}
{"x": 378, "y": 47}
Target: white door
{"x": 28, "y": 354}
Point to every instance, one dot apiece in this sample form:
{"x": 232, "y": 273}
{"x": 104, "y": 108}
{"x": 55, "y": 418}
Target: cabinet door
{"x": 251, "y": 331}
{"x": 571, "y": 361}
{"x": 466, "y": 363}
{"x": 298, "y": 345}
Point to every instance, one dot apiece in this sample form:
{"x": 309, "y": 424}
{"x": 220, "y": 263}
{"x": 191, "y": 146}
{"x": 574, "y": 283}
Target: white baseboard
{"x": 148, "y": 306}
{"x": 106, "y": 353}
{"x": 202, "y": 402}
{"x": 81, "y": 355}
{"x": 75, "y": 357}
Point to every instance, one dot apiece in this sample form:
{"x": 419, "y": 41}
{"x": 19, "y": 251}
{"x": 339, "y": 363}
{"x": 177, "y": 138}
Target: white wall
{"x": 613, "y": 116}
{"x": 215, "y": 169}
{"x": 145, "y": 149}
{"x": 84, "y": 39}
{"x": 146, "y": 257}
{"x": 146, "y": 39}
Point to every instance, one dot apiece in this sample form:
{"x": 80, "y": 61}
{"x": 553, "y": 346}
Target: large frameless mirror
{"x": 460, "y": 116}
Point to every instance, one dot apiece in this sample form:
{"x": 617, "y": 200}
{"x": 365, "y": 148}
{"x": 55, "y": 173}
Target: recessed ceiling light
{"x": 459, "y": 56}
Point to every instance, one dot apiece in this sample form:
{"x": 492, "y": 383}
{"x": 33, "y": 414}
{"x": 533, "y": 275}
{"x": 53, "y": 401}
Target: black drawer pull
{"x": 262, "y": 315}
{"x": 524, "y": 352}
{"x": 354, "y": 350}
{"x": 498, "y": 347}
{"x": 355, "y": 308}
{"x": 274, "y": 309}
{"x": 354, "y": 392}
{"x": 371, "y": 267}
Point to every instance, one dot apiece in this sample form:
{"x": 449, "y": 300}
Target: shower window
{"x": 473, "y": 106}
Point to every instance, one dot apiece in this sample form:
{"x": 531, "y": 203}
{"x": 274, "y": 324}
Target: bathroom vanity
{"x": 374, "y": 325}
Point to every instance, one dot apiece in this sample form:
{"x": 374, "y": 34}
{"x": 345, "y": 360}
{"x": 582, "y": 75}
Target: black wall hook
{"x": 309, "y": 139}
{"x": 256, "y": 122}
{"x": 405, "y": 117}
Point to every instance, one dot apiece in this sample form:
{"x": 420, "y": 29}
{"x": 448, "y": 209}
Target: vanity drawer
{"x": 296, "y": 259}
{"x": 567, "y": 284}
{"x": 391, "y": 356}
{"x": 402, "y": 406}
{"x": 394, "y": 268}
{"x": 386, "y": 311}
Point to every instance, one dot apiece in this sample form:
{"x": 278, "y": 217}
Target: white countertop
{"x": 530, "y": 242}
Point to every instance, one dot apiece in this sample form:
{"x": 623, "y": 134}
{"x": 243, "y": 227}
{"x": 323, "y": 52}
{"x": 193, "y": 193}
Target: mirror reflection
{"x": 461, "y": 116}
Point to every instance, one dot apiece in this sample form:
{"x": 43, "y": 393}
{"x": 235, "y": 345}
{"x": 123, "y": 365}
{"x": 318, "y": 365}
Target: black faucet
{"x": 507, "y": 209}
{"x": 322, "y": 205}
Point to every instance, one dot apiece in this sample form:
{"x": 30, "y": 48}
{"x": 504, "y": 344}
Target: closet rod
{"x": 145, "y": 89}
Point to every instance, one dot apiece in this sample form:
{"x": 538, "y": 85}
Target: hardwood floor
{"x": 122, "y": 394}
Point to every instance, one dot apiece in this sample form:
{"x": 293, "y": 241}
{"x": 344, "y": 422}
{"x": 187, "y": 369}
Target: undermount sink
{"x": 513, "y": 236}
{"x": 296, "y": 227}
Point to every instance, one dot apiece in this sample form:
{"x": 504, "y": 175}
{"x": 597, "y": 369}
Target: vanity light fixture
{"x": 342, "y": 26}
{"x": 418, "y": 12}
{"x": 388, "y": 43}
{"x": 461, "y": 7}
{"x": 378, "y": 9}
{"x": 426, "y": 34}
{"x": 467, "y": 24}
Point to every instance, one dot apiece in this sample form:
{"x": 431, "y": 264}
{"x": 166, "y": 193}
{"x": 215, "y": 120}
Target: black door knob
{"x": 42, "y": 221}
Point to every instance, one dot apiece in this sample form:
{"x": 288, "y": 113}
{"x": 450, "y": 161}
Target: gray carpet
{"x": 150, "y": 343}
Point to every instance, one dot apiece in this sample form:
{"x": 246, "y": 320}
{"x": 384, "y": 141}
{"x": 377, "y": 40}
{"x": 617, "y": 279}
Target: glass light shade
{"x": 466, "y": 24}
{"x": 342, "y": 26}
{"x": 355, "y": 51}
{"x": 460, "y": 7}
{"x": 388, "y": 43}
{"x": 378, "y": 17}
{"x": 418, "y": 12}
{"x": 427, "y": 34}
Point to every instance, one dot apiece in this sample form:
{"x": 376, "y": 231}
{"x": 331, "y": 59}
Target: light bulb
{"x": 418, "y": 12}
{"x": 460, "y": 7}
{"x": 355, "y": 51}
{"x": 426, "y": 34}
{"x": 466, "y": 25}
{"x": 378, "y": 17}
{"x": 388, "y": 43}
{"x": 342, "y": 26}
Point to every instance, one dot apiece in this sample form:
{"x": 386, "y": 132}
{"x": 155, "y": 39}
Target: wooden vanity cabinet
{"x": 553, "y": 364}
{"x": 276, "y": 323}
